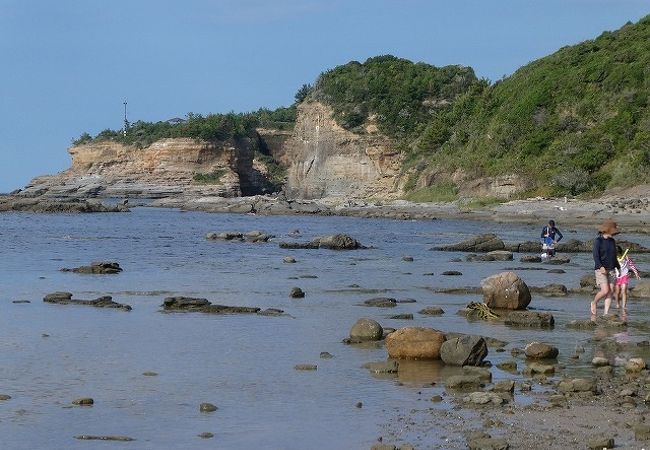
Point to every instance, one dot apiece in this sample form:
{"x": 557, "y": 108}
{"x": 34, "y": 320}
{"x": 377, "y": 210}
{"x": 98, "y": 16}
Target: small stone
{"x": 539, "y": 350}
{"x": 85, "y": 401}
{"x": 452, "y": 273}
{"x": 600, "y": 443}
{"x": 407, "y": 258}
{"x": 432, "y": 311}
{"x": 150, "y": 374}
{"x": 305, "y": 367}
{"x": 359, "y": 405}
{"x": 642, "y": 432}
{"x": 5, "y": 397}
{"x": 508, "y": 366}
{"x": 206, "y": 435}
{"x": 382, "y": 367}
{"x": 326, "y": 355}
{"x": 402, "y": 317}
{"x": 525, "y": 387}
{"x": 507, "y": 386}
{"x": 207, "y": 407}
{"x": 635, "y": 365}
{"x": 436, "y": 398}
{"x": 483, "y": 398}
{"x": 289, "y": 260}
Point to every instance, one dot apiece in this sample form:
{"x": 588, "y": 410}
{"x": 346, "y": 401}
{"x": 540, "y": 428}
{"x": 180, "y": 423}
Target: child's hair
{"x": 619, "y": 250}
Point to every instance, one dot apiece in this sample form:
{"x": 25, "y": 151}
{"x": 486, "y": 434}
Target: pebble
{"x": 84, "y": 401}
{"x": 207, "y": 407}
{"x": 206, "y": 435}
{"x": 326, "y": 355}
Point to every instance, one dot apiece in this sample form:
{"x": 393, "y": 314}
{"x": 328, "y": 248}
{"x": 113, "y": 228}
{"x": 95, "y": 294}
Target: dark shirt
{"x": 605, "y": 253}
{"x": 551, "y": 232}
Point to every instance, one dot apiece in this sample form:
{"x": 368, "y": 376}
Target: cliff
{"x": 325, "y": 160}
{"x": 168, "y": 167}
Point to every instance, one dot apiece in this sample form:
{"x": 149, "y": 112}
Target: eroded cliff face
{"x": 165, "y": 168}
{"x": 325, "y": 160}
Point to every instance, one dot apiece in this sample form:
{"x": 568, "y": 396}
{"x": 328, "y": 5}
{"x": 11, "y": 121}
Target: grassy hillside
{"x": 574, "y": 122}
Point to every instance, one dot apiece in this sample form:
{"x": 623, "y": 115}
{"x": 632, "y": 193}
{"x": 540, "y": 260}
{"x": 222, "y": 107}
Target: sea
{"x": 244, "y": 364}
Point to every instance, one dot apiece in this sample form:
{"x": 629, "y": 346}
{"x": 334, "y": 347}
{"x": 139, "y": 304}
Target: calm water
{"x": 52, "y": 354}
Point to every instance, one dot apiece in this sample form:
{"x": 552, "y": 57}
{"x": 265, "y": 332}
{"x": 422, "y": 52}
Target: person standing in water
{"x": 550, "y": 236}
{"x": 626, "y": 266}
{"x": 605, "y": 265}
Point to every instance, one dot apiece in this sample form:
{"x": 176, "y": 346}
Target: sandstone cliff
{"x": 165, "y": 168}
{"x": 325, "y": 160}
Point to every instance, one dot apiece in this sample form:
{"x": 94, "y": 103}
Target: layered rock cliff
{"x": 168, "y": 167}
{"x": 325, "y": 160}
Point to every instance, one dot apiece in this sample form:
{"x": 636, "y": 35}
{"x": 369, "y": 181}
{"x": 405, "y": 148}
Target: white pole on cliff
{"x": 126, "y": 121}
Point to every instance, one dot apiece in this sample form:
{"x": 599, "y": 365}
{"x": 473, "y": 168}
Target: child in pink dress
{"x": 623, "y": 277}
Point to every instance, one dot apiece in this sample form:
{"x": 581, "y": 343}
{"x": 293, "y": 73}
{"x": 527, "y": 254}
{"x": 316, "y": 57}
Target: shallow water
{"x": 52, "y": 354}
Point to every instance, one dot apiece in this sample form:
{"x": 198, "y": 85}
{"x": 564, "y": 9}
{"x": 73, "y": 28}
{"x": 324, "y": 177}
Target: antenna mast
{"x": 126, "y": 121}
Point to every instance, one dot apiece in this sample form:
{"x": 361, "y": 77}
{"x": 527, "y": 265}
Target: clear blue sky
{"x": 67, "y": 65}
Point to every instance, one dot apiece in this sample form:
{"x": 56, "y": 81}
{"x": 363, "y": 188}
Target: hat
{"x": 609, "y": 227}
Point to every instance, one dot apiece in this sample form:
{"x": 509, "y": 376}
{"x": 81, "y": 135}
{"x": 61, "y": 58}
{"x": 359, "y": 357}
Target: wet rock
{"x": 358, "y": 405}
{"x": 550, "y": 290}
{"x": 289, "y": 260}
{"x": 436, "y": 399}
{"x": 415, "y": 343}
{"x": 90, "y": 437}
{"x": 483, "y": 398}
{"x": 488, "y": 444}
{"x": 305, "y": 367}
{"x": 558, "y": 260}
{"x": 4, "y": 397}
{"x": 508, "y": 366}
{"x": 577, "y": 385}
{"x": 588, "y": 281}
{"x": 533, "y": 369}
{"x": 642, "y": 432}
{"x": 296, "y": 292}
{"x": 635, "y": 365}
{"x": 225, "y": 236}
{"x": 463, "y": 351}
{"x": 331, "y": 242}
{"x": 540, "y": 350}
{"x": 20, "y": 301}
{"x": 641, "y": 289}
{"x": 326, "y": 355}
{"x": 381, "y": 302}
{"x": 407, "y": 258}
{"x": 149, "y": 374}
{"x": 271, "y": 312}
{"x": 463, "y": 382}
{"x": 383, "y": 447}
{"x": 65, "y": 298}
{"x": 432, "y": 311}
{"x": 84, "y": 401}
{"x": 501, "y": 255}
{"x": 192, "y": 304}
{"x": 556, "y": 271}
{"x": 407, "y": 300}
{"x": 97, "y": 267}
{"x": 382, "y": 367}
{"x": 530, "y": 259}
{"x": 601, "y": 443}
{"x": 506, "y": 386}
{"x": 206, "y": 435}
{"x": 480, "y": 243}
{"x": 207, "y": 407}
{"x": 505, "y": 290}
{"x": 472, "y": 257}
{"x": 527, "y": 319}
{"x": 599, "y": 361}
{"x": 366, "y": 330}
{"x": 557, "y": 400}
{"x": 402, "y": 317}
{"x": 258, "y": 236}
{"x": 483, "y": 373}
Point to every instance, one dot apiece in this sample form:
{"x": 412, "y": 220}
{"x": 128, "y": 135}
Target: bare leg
{"x": 608, "y": 300}
{"x": 623, "y": 288}
{"x": 604, "y": 292}
{"x": 617, "y": 295}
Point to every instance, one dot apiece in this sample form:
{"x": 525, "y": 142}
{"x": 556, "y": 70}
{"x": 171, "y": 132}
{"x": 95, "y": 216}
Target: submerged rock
{"x": 382, "y": 367}
{"x": 97, "y": 267}
{"x": 480, "y": 243}
{"x": 296, "y": 292}
{"x": 65, "y": 298}
{"x": 527, "y": 319}
{"x": 90, "y": 437}
{"x": 191, "y": 304}
{"x": 432, "y": 311}
{"x": 331, "y": 242}
{"x": 381, "y": 302}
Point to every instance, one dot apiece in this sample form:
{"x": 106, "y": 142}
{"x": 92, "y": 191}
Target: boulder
{"x": 540, "y": 350}
{"x": 366, "y": 330}
{"x": 505, "y": 290}
{"x": 530, "y": 259}
{"x": 501, "y": 255}
{"x": 577, "y": 385}
{"x": 191, "y": 304}
{"x": 635, "y": 365}
{"x": 97, "y": 267}
{"x": 415, "y": 343}
{"x": 550, "y": 290}
{"x": 463, "y": 382}
{"x": 506, "y": 386}
{"x": 381, "y": 302}
{"x": 464, "y": 351}
{"x": 432, "y": 311}
{"x": 296, "y": 292}
{"x": 480, "y": 243}
{"x": 65, "y": 298}
{"x": 483, "y": 398}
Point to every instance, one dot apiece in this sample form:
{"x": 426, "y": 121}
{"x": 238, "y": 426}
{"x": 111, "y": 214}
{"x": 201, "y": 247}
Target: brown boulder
{"x": 415, "y": 343}
{"x": 505, "y": 290}
{"x": 539, "y": 350}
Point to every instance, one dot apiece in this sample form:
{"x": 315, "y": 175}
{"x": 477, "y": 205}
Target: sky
{"x": 67, "y": 66}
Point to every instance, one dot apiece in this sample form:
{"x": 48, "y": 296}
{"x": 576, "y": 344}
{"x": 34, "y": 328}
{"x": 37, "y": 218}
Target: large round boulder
{"x": 505, "y": 290}
{"x": 366, "y": 330}
{"x": 464, "y": 351}
{"x": 540, "y": 350}
{"x": 415, "y": 343}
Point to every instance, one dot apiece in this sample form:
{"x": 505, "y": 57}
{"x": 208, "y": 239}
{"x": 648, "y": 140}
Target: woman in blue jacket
{"x": 605, "y": 265}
